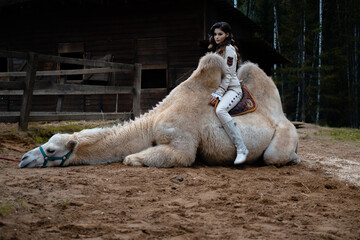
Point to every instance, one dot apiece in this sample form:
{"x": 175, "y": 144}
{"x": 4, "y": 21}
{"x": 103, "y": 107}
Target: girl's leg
{"x": 228, "y": 101}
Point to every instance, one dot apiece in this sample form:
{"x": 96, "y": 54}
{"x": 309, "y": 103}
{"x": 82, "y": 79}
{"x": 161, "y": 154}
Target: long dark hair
{"x": 220, "y": 49}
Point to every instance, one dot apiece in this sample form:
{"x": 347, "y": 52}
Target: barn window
{"x": 3, "y": 68}
{"x": 153, "y": 78}
{"x": 152, "y": 53}
{"x": 3, "y": 65}
{"x": 72, "y": 50}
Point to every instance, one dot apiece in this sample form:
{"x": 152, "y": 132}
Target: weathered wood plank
{"x": 72, "y": 89}
{"x": 11, "y": 92}
{"x": 154, "y": 91}
{"x": 78, "y": 71}
{"x": 63, "y": 72}
{"x": 12, "y": 85}
{"x": 12, "y": 74}
{"x": 85, "y": 62}
{"x": 298, "y": 124}
{"x": 11, "y": 54}
{"x": 54, "y": 116}
{"x": 58, "y": 59}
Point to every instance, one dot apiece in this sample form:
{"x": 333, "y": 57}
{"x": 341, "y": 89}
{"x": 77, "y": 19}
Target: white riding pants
{"x": 228, "y": 101}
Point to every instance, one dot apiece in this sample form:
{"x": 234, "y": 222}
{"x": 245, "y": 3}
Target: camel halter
{"x": 46, "y": 158}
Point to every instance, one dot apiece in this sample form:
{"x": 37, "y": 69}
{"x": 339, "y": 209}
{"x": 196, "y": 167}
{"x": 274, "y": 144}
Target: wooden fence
{"x": 29, "y": 87}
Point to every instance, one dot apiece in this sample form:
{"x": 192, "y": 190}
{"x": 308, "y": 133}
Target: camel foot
{"x": 132, "y": 161}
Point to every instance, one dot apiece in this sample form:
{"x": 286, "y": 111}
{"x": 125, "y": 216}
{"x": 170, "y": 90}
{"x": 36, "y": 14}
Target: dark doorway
{"x": 153, "y": 78}
{"x": 66, "y": 66}
{"x": 3, "y": 64}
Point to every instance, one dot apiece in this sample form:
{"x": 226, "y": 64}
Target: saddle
{"x": 247, "y": 104}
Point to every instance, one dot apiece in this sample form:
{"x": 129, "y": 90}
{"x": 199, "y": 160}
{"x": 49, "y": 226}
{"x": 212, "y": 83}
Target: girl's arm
{"x": 231, "y": 60}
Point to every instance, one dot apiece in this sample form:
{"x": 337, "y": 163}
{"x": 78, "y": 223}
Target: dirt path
{"x": 318, "y": 199}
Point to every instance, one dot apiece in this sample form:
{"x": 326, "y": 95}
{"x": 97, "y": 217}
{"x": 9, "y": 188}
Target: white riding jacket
{"x": 230, "y": 81}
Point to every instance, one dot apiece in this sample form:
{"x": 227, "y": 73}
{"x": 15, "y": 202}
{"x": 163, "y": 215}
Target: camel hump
{"x": 247, "y": 68}
{"x": 249, "y": 71}
{"x": 210, "y": 61}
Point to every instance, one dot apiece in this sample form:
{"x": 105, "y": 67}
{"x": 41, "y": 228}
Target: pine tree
{"x": 321, "y": 39}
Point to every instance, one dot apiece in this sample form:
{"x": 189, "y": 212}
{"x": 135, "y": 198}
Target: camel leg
{"x": 162, "y": 156}
{"x": 283, "y": 146}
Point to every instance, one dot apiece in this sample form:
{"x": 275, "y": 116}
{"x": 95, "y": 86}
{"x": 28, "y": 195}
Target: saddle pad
{"x": 247, "y": 104}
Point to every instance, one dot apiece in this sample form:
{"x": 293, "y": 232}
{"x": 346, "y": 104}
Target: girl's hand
{"x": 212, "y": 100}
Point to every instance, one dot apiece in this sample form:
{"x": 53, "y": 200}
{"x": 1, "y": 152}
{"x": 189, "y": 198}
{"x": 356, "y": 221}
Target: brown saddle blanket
{"x": 247, "y": 104}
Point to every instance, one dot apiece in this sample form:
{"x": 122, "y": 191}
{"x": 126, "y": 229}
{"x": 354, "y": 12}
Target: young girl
{"x": 229, "y": 92}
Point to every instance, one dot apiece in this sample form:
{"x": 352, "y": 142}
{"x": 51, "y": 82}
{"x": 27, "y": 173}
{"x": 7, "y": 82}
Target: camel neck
{"x": 113, "y": 144}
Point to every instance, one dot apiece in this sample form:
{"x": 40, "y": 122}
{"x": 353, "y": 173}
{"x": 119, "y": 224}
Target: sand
{"x": 317, "y": 199}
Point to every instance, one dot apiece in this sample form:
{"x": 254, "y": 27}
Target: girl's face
{"x": 220, "y": 35}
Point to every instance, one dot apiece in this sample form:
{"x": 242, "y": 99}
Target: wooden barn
{"x": 166, "y": 37}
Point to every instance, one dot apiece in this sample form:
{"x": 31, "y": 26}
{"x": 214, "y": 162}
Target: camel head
{"x": 56, "y": 152}
{"x": 211, "y": 70}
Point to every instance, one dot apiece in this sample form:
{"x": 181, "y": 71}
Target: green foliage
{"x": 41, "y": 133}
{"x": 64, "y": 203}
{"x": 8, "y": 206}
{"x": 341, "y": 134}
{"x": 5, "y": 207}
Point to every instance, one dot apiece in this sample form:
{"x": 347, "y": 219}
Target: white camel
{"x": 182, "y": 127}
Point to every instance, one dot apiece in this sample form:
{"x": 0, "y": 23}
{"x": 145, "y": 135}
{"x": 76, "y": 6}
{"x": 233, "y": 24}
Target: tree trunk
{"x": 275, "y": 31}
{"x": 313, "y": 63}
{"x": 303, "y": 84}
{"x": 356, "y": 77}
{"x": 319, "y": 62}
{"x": 300, "y": 104}
{"x": 348, "y": 65}
{"x": 298, "y": 79}
{"x": 250, "y": 9}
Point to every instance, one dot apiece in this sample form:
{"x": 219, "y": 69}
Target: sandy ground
{"x": 317, "y": 199}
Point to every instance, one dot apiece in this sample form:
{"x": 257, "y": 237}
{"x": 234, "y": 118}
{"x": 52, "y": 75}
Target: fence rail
{"x": 29, "y": 87}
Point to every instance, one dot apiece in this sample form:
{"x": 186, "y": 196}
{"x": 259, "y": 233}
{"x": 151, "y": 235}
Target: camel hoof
{"x": 295, "y": 161}
{"x": 132, "y": 161}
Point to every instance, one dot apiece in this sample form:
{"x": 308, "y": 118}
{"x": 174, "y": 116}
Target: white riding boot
{"x": 235, "y": 135}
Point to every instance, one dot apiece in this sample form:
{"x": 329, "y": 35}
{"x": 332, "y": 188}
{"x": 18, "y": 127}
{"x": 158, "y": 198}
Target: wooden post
{"x": 28, "y": 90}
{"x": 137, "y": 90}
{"x": 59, "y": 105}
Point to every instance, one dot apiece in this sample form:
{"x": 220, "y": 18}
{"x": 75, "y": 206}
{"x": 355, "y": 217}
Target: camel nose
{"x": 25, "y": 161}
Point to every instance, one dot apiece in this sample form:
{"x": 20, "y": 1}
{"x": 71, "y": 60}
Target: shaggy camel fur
{"x": 183, "y": 126}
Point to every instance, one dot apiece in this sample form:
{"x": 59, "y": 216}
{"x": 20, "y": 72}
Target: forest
{"x": 320, "y": 38}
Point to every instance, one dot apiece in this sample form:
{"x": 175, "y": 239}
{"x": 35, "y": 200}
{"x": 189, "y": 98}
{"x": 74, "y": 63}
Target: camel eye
{"x": 50, "y": 151}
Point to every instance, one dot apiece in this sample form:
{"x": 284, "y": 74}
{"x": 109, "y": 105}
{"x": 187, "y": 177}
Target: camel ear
{"x": 71, "y": 144}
